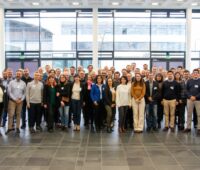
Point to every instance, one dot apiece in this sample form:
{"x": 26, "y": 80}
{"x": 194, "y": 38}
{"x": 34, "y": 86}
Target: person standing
{"x": 170, "y": 92}
{"x": 96, "y": 95}
{"x": 34, "y": 94}
{"x": 64, "y": 95}
{"x": 123, "y": 101}
{"x": 138, "y": 90}
{"x": 77, "y": 92}
{"x": 26, "y": 78}
{"x": 89, "y": 116}
{"x": 109, "y": 98}
{"x": 49, "y": 100}
{"x": 17, "y": 93}
{"x": 193, "y": 100}
{"x": 159, "y": 80}
{"x": 151, "y": 98}
{"x": 2, "y": 99}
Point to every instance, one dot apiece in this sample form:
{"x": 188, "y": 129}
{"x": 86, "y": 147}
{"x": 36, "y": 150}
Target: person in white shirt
{"x": 123, "y": 101}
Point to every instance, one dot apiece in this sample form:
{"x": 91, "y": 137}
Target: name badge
{"x": 172, "y": 87}
{"x": 62, "y": 88}
{"x": 155, "y": 88}
{"x": 34, "y": 86}
{"x": 18, "y": 87}
{"x": 80, "y": 89}
{"x": 196, "y": 86}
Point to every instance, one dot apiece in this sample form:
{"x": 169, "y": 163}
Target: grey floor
{"x": 90, "y": 151}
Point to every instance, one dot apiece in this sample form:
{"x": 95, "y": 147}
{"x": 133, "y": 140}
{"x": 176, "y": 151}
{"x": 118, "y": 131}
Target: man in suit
{"x": 151, "y": 97}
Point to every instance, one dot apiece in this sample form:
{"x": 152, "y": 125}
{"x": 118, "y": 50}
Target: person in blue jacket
{"x": 96, "y": 95}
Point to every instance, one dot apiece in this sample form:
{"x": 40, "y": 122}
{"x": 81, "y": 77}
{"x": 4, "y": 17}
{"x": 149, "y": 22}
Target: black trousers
{"x": 35, "y": 114}
{"x": 98, "y": 115}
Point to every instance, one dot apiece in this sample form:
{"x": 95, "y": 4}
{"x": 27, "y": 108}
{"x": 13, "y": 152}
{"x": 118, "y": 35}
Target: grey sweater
{"x": 34, "y": 92}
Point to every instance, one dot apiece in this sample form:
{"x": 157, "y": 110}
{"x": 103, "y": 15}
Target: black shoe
{"x": 32, "y": 130}
{"x": 108, "y": 130}
{"x": 187, "y": 130}
{"x": 148, "y": 129}
{"x": 159, "y": 125}
{"x": 39, "y": 128}
{"x": 23, "y": 127}
{"x": 155, "y": 129}
{"x": 172, "y": 129}
{"x": 198, "y": 132}
{"x": 8, "y": 131}
{"x": 18, "y": 131}
{"x": 50, "y": 130}
{"x": 165, "y": 129}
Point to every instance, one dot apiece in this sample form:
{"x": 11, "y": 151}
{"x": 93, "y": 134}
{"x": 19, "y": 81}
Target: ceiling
{"x": 100, "y": 4}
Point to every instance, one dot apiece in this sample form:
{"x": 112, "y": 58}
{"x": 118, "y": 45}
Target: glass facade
{"x": 63, "y": 38}
{"x": 195, "y": 63}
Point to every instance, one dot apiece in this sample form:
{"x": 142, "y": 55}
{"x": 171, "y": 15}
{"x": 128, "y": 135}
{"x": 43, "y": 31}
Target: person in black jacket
{"x": 151, "y": 98}
{"x": 171, "y": 96}
{"x": 109, "y": 96}
{"x": 2, "y": 99}
{"x": 159, "y": 79}
{"x": 77, "y": 96}
{"x": 50, "y": 101}
{"x": 193, "y": 100}
{"x": 88, "y": 110}
{"x": 64, "y": 96}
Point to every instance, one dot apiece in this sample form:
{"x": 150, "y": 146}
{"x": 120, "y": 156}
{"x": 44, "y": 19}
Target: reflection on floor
{"x": 85, "y": 150}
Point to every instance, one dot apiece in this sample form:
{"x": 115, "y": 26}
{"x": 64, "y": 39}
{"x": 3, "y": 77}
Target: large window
{"x": 195, "y": 63}
{"x": 65, "y": 37}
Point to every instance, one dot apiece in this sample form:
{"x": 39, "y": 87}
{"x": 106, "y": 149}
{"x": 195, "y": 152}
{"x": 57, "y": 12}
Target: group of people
{"x": 59, "y": 97}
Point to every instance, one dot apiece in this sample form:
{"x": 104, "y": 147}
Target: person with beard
{"x": 26, "y": 78}
{"x": 17, "y": 92}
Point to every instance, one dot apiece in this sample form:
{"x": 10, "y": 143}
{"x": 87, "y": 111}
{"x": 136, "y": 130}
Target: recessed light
{"x": 75, "y": 3}
{"x": 155, "y": 3}
{"x": 35, "y": 3}
{"x": 115, "y": 3}
{"x": 179, "y": 0}
{"x": 194, "y": 4}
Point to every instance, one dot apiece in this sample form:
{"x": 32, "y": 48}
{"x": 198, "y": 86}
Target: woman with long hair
{"x": 109, "y": 99}
{"x": 180, "y": 108}
{"x": 88, "y": 102}
{"x": 77, "y": 91}
{"x": 96, "y": 95}
{"x": 50, "y": 101}
{"x": 159, "y": 79}
{"x": 64, "y": 95}
{"x": 138, "y": 90}
{"x": 123, "y": 101}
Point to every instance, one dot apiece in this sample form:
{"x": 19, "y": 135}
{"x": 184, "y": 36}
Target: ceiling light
{"x": 75, "y": 3}
{"x": 35, "y": 3}
{"x": 179, "y": 0}
{"x": 155, "y": 3}
{"x": 194, "y": 4}
{"x": 115, "y": 3}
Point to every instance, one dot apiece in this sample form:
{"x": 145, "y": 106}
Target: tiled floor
{"x": 99, "y": 151}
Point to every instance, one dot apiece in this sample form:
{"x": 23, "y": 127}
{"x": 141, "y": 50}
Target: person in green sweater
{"x": 49, "y": 100}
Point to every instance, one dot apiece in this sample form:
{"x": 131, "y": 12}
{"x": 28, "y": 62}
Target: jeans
{"x": 64, "y": 113}
{"x": 151, "y": 115}
{"x": 76, "y": 107}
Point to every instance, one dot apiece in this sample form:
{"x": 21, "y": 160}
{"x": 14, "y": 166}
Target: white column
{"x": 188, "y": 38}
{"x": 2, "y": 46}
{"x": 95, "y": 39}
